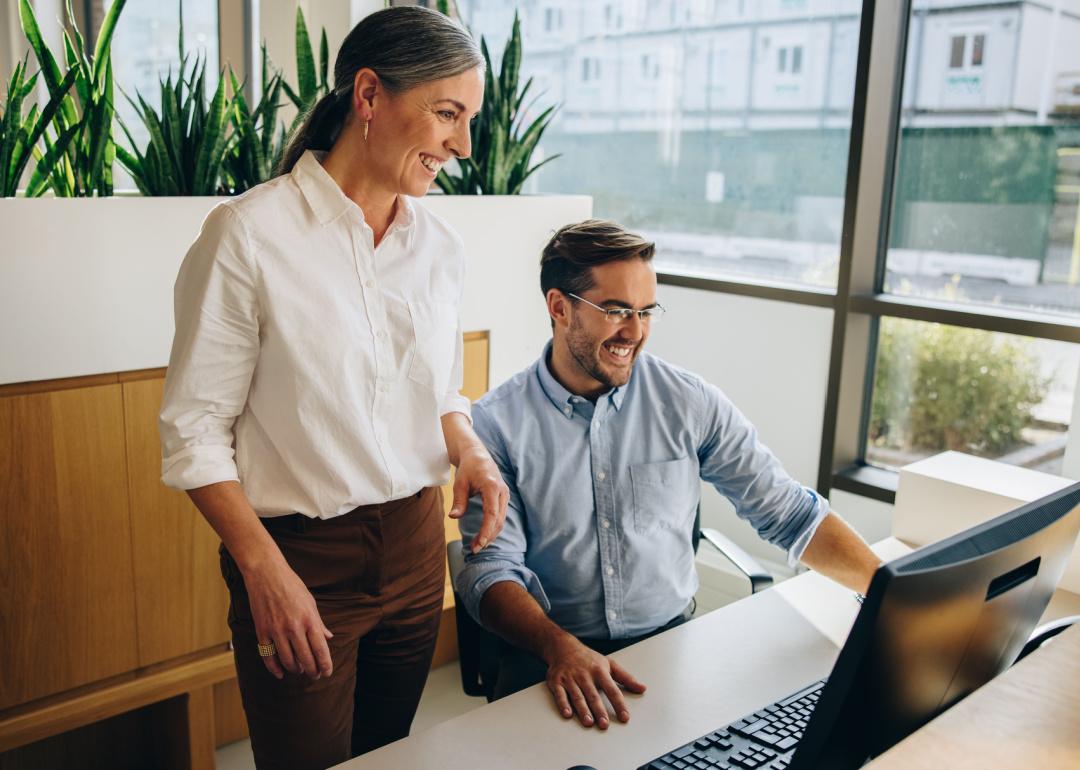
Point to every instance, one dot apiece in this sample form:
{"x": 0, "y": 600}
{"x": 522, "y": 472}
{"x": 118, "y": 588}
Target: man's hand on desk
{"x": 577, "y": 675}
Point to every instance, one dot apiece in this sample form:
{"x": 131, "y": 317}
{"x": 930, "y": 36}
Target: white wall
{"x": 771, "y": 359}
{"x": 871, "y": 518}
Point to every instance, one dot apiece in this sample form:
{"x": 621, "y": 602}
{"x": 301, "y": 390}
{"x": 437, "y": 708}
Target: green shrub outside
{"x": 946, "y": 387}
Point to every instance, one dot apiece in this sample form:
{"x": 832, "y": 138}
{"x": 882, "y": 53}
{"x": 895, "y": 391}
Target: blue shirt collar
{"x": 561, "y": 398}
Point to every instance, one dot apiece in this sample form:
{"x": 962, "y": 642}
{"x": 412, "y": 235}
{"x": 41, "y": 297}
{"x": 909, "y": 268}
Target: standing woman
{"x": 311, "y": 407}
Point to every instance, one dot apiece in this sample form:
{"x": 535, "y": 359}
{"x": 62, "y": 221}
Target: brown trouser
{"x": 377, "y": 575}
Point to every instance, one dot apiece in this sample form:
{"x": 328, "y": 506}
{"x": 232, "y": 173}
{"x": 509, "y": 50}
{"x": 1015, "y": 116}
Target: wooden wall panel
{"x": 67, "y": 616}
{"x": 230, "y": 723}
{"x": 180, "y": 597}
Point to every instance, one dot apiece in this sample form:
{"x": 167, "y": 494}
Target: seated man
{"x": 603, "y": 448}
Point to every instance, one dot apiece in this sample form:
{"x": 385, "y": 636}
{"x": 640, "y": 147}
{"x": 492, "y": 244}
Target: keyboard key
{"x": 753, "y": 728}
{"x": 683, "y": 752}
{"x": 787, "y": 743}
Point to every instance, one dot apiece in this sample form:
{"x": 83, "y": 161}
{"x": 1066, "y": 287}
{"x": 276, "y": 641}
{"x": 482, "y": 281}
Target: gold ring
{"x": 267, "y": 650}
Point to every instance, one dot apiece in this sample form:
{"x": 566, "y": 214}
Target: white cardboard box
{"x": 949, "y": 492}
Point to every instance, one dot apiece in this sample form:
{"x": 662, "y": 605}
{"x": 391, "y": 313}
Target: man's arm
{"x": 576, "y": 674}
{"x": 838, "y": 552}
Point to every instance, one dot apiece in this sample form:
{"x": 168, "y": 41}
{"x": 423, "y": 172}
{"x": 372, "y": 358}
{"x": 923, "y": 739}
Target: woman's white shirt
{"x": 325, "y": 361}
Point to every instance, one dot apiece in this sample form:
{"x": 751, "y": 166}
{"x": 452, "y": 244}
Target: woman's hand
{"x": 478, "y": 474}
{"x": 284, "y": 612}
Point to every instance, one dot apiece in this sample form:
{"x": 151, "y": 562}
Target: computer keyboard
{"x": 765, "y": 739}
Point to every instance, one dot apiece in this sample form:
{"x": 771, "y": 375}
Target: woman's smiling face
{"x": 413, "y": 133}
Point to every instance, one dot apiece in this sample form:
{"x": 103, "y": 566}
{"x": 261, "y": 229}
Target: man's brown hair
{"x": 568, "y": 258}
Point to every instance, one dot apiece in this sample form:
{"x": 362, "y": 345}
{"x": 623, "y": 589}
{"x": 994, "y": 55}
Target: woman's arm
{"x": 282, "y": 607}
{"x": 476, "y": 474}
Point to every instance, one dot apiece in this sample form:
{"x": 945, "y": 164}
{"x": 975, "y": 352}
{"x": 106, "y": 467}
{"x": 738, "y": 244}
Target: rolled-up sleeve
{"x": 740, "y": 467}
{"x": 452, "y": 400}
{"x": 504, "y": 558}
{"x": 215, "y": 348}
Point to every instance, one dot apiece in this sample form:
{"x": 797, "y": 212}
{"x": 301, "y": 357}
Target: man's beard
{"x": 586, "y": 352}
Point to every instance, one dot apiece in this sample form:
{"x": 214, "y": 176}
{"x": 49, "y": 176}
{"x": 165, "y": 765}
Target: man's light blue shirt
{"x": 603, "y": 496}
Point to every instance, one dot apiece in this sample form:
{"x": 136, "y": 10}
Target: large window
{"x": 720, "y": 129}
{"x": 984, "y": 215}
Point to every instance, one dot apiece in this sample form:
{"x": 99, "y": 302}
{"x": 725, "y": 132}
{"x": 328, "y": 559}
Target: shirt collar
{"x": 327, "y": 200}
{"x": 563, "y": 399}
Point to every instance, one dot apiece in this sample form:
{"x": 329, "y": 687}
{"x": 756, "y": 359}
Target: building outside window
{"x": 718, "y": 105}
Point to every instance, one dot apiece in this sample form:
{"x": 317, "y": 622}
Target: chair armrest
{"x": 1045, "y": 633}
{"x": 744, "y": 562}
{"x": 478, "y": 648}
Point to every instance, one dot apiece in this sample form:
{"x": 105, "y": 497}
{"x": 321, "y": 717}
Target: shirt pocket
{"x": 434, "y": 326}
{"x": 663, "y": 494}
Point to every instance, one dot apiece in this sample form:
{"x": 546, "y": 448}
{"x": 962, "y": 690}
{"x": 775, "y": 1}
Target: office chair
{"x": 479, "y": 649}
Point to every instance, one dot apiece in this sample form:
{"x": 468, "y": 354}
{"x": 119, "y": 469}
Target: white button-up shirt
{"x": 324, "y": 361}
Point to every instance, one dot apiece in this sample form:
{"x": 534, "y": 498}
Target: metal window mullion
{"x": 236, "y": 45}
{"x": 761, "y": 289}
{"x": 991, "y": 319}
{"x": 875, "y": 122}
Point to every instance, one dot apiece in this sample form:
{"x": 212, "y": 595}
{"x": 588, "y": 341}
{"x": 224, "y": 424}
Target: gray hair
{"x": 405, "y": 46}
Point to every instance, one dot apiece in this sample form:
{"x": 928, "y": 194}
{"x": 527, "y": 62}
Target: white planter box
{"x": 504, "y": 235}
{"x": 86, "y": 285}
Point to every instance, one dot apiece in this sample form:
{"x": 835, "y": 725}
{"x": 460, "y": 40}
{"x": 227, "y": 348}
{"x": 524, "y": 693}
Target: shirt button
{"x": 369, "y": 283}
{"x": 381, "y": 334}
{"x": 568, "y": 410}
{"x": 601, "y": 476}
{"x": 610, "y": 571}
{"x": 611, "y": 614}
{"x": 605, "y": 524}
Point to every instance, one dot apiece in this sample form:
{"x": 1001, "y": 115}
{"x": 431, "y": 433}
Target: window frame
{"x": 859, "y": 302}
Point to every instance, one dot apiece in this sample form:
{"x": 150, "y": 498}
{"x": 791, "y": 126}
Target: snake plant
{"x": 501, "y": 150}
{"x": 310, "y": 87}
{"x": 79, "y": 146}
{"x": 259, "y": 138}
{"x": 19, "y": 134}
{"x": 188, "y": 138}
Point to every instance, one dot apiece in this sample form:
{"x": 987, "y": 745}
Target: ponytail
{"x": 319, "y": 130}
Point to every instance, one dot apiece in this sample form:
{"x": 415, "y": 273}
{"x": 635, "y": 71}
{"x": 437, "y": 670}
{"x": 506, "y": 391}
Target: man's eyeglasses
{"x": 618, "y": 315}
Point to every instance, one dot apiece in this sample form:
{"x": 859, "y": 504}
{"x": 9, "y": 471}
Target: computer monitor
{"x": 936, "y": 625}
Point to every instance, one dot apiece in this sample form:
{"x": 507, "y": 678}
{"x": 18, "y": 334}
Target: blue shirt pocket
{"x": 664, "y": 494}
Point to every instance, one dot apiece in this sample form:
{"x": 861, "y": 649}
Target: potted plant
{"x": 19, "y": 133}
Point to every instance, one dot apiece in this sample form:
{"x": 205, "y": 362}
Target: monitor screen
{"x": 936, "y": 625}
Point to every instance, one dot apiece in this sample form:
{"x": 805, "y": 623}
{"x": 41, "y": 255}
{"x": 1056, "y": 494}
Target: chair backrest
{"x": 478, "y": 648}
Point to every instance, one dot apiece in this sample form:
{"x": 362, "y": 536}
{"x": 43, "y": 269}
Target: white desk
{"x": 700, "y": 676}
